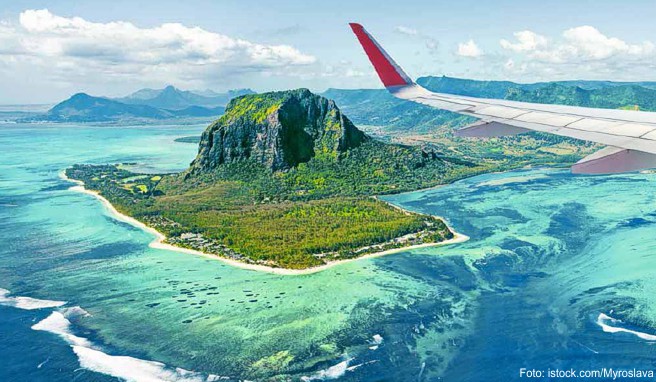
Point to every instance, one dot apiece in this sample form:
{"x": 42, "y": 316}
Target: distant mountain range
{"x": 145, "y": 104}
{"x": 364, "y": 106}
{"x": 377, "y": 107}
{"x": 175, "y": 99}
{"x": 499, "y": 89}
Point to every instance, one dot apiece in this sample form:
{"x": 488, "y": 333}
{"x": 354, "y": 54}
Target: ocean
{"x": 559, "y": 273}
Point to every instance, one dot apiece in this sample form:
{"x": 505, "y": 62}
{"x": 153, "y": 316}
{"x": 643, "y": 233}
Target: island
{"x": 284, "y": 180}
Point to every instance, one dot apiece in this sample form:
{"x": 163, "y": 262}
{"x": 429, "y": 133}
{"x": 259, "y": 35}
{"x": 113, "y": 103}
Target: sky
{"x": 52, "y": 49}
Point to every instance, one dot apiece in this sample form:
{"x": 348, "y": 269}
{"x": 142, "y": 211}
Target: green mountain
{"x": 472, "y": 88}
{"x": 498, "y": 89}
{"x": 279, "y": 130}
{"x": 600, "y": 94}
{"x": 589, "y": 85}
{"x": 614, "y": 97}
{"x": 305, "y": 140}
{"x": 284, "y": 179}
{"x": 376, "y": 107}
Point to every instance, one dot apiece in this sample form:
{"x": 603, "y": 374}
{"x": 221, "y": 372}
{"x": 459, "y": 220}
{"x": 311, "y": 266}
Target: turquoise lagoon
{"x": 560, "y": 272}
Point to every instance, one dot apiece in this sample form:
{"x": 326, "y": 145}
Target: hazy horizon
{"x": 199, "y": 91}
{"x": 52, "y": 49}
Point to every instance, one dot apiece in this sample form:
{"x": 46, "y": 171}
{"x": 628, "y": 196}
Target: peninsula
{"x": 284, "y": 180}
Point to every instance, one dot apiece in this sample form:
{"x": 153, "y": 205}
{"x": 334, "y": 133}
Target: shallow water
{"x": 549, "y": 253}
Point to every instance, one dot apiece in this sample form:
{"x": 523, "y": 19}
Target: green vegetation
{"x": 285, "y": 179}
{"x": 274, "y": 363}
{"x": 616, "y": 97}
{"x": 380, "y": 108}
{"x": 399, "y": 121}
{"x": 233, "y": 218}
{"x": 240, "y": 200}
{"x": 373, "y": 168}
{"x": 254, "y": 107}
{"x": 394, "y": 120}
{"x": 278, "y": 129}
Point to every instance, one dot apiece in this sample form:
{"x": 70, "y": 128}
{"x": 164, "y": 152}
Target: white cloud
{"x": 469, "y": 49}
{"x": 584, "y": 43}
{"x": 589, "y": 42}
{"x": 72, "y": 49}
{"x": 406, "y": 30}
{"x": 580, "y": 52}
{"x": 526, "y": 41}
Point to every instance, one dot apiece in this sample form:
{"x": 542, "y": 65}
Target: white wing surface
{"x": 630, "y": 135}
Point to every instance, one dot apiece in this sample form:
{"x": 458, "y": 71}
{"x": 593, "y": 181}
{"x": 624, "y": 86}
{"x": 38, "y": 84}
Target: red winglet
{"x": 388, "y": 71}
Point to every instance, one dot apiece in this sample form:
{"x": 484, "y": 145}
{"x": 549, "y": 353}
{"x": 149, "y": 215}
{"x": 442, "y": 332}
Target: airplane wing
{"x": 630, "y": 136}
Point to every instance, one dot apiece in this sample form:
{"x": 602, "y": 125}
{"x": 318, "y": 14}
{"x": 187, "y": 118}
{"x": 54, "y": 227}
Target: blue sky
{"x": 115, "y": 47}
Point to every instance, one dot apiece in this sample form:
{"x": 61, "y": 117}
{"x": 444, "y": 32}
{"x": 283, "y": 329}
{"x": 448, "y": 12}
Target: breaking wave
{"x": 335, "y": 371}
{"x": 92, "y": 357}
{"x": 134, "y": 369}
{"x": 27, "y": 303}
{"x": 131, "y": 369}
{"x": 332, "y": 372}
{"x": 608, "y": 325}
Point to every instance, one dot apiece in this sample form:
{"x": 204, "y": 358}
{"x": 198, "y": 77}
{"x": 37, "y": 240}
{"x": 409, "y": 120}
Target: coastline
{"x": 158, "y": 242}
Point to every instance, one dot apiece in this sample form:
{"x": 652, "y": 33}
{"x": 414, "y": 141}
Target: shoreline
{"x": 158, "y": 242}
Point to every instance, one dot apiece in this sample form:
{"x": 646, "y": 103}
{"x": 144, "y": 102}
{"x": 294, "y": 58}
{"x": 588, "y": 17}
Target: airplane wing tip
{"x": 390, "y": 72}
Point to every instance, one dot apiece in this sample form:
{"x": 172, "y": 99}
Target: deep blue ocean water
{"x": 560, "y": 272}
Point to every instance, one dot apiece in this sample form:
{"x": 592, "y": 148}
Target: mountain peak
{"x": 80, "y": 95}
{"x": 279, "y": 130}
{"x": 80, "y": 99}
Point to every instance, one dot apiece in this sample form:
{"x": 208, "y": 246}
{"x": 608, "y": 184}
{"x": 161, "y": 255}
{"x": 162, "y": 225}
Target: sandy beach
{"x": 159, "y": 243}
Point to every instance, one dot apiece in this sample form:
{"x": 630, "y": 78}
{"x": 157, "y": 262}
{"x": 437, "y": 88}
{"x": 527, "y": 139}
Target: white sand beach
{"x": 160, "y": 238}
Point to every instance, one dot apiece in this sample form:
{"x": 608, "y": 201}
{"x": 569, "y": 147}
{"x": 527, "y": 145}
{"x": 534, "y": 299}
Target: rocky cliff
{"x": 277, "y": 129}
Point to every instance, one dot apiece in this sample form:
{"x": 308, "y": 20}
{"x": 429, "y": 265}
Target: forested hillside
{"x": 285, "y": 179}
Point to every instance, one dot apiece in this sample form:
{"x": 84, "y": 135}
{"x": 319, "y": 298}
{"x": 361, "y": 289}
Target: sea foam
{"x": 27, "y": 303}
{"x": 377, "y": 340}
{"x": 333, "y": 372}
{"x": 58, "y": 324}
{"x": 92, "y": 357}
{"x": 603, "y": 320}
{"x": 134, "y": 369}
